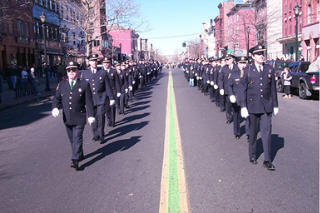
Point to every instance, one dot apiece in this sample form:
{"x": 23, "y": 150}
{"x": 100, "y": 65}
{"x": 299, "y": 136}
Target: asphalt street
{"x": 124, "y": 174}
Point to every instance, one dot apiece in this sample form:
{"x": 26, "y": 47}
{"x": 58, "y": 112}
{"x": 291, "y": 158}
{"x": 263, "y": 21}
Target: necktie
{"x": 261, "y": 68}
{"x": 71, "y": 84}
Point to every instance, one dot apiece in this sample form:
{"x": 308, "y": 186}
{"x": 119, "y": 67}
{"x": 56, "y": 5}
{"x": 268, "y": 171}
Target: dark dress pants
{"x": 228, "y": 108}
{"x": 222, "y": 102}
{"x": 236, "y": 119}
{"x": 211, "y": 92}
{"x": 75, "y": 135}
{"x": 98, "y": 125}
{"x": 121, "y": 100}
{"x": 264, "y": 119}
{"x": 111, "y": 114}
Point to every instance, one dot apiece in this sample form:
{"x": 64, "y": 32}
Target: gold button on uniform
{"x": 70, "y": 103}
{"x": 261, "y": 84}
{"x": 261, "y": 96}
{"x": 70, "y": 97}
{"x": 261, "y": 90}
{"x": 70, "y": 108}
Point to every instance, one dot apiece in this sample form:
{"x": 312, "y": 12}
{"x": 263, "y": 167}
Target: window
{"x": 50, "y": 5}
{"x": 20, "y": 28}
{"x": 46, "y": 3}
{"x": 309, "y": 14}
{"x": 286, "y": 28}
{"x": 27, "y": 29}
{"x": 74, "y": 38}
{"x": 61, "y": 11}
{"x": 36, "y": 1}
{"x": 318, "y": 14}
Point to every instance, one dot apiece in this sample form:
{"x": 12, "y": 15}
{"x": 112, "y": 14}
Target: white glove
{"x": 196, "y": 74}
{"x": 232, "y": 99}
{"x": 130, "y": 88}
{"x": 208, "y": 82}
{"x": 221, "y": 91}
{"x": 187, "y": 71}
{"x": 275, "y": 110}
{"x": 133, "y": 82}
{"x": 55, "y": 112}
{"x": 215, "y": 86}
{"x": 118, "y": 94}
{"x": 244, "y": 112}
{"x": 126, "y": 90}
{"x": 91, "y": 120}
{"x": 211, "y": 83}
{"x": 112, "y": 102}
{"x": 198, "y": 78}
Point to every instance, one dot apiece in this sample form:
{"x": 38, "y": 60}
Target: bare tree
{"x": 194, "y": 49}
{"x": 97, "y": 18}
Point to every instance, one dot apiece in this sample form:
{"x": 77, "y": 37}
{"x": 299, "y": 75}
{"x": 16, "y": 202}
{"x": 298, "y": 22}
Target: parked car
{"x": 306, "y": 82}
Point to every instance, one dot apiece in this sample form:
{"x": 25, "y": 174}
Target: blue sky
{"x": 167, "y": 18}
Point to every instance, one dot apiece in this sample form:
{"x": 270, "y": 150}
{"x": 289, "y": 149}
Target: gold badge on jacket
{"x": 80, "y": 90}
{"x": 100, "y": 78}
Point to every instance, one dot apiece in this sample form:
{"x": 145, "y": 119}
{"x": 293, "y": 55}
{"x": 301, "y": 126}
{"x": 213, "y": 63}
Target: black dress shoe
{"x": 96, "y": 138}
{"x": 253, "y": 161}
{"x": 269, "y": 165}
{"x": 75, "y": 164}
{"x": 237, "y": 137}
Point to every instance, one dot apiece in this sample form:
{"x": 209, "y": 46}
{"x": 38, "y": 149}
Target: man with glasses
{"x": 75, "y": 97}
{"x": 101, "y": 93}
{"x": 258, "y": 103}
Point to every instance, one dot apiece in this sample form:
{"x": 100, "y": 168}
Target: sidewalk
{"x": 9, "y": 99}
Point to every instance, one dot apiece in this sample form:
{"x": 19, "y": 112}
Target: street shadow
{"x": 135, "y": 109}
{"x": 277, "y": 143}
{"x": 109, "y": 149}
{"x": 24, "y": 114}
{"x": 117, "y": 132}
{"x": 139, "y": 103}
{"x": 132, "y": 118}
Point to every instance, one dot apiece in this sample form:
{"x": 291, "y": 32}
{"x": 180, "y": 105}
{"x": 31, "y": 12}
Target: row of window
{"x": 19, "y": 28}
{"x": 51, "y": 31}
{"x": 49, "y": 4}
{"x": 70, "y": 14}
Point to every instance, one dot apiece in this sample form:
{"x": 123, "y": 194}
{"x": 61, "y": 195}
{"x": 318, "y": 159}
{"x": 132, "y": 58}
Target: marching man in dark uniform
{"x": 101, "y": 93}
{"x": 235, "y": 87}
{"x": 115, "y": 87}
{"x": 223, "y": 84}
{"x": 75, "y": 97}
{"x": 259, "y": 102}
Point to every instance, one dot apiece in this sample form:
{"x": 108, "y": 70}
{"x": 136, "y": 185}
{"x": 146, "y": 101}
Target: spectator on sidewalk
{"x": 11, "y": 77}
{"x": 34, "y": 81}
{"x": 24, "y": 80}
{"x": 286, "y": 76}
{"x": 60, "y": 72}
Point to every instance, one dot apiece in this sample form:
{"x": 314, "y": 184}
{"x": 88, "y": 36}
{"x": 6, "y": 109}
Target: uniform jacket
{"x": 260, "y": 94}
{"x": 235, "y": 84}
{"x": 114, "y": 80}
{"x": 123, "y": 81}
{"x": 224, "y": 77}
{"x": 76, "y": 103}
{"x": 100, "y": 86}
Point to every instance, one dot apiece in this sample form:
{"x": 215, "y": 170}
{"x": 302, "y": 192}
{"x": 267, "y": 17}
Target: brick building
{"x": 288, "y": 39}
{"x": 310, "y": 29}
{"x": 16, "y": 35}
{"x": 240, "y": 25}
{"x": 221, "y": 27}
{"x": 126, "y": 40}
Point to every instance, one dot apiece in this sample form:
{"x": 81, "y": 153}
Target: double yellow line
{"x": 174, "y": 194}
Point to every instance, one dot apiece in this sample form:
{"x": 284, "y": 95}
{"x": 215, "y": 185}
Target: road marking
{"x": 174, "y": 194}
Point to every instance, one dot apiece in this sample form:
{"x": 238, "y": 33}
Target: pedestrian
{"x": 101, "y": 93}
{"x": 258, "y": 103}
{"x": 24, "y": 80}
{"x": 34, "y": 81}
{"x": 286, "y": 77}
{"x": 75, "y": 97}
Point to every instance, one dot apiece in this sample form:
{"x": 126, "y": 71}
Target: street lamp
{"x": 248, "y": 31}
{"x": 296, "y": 15}
{"x": 43, "y": 20}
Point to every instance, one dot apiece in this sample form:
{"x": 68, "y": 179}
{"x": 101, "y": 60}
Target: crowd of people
{"x": 240, "y": 88}
{"x": 96, "y": 94}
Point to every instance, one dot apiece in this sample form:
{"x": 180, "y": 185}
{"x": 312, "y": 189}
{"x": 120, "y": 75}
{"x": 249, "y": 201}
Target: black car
{"x": 307, "y": 83}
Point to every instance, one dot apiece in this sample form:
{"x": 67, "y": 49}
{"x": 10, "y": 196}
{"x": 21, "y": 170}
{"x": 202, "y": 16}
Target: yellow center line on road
{"x": 174, "y": 194}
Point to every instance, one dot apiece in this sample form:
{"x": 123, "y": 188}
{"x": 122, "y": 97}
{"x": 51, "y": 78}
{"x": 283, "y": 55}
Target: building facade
{"x": 17, "y": 46}
{"x": 48, "y": 31}
{"x": 71, "y": 31}
{"x": 221, "y": 27}
{"x": 241, "y": 29}
{"x": 126, "y": 40}
{"x": 289, "y": 19}
{"x": 274, "y": 29}
{"x": 310, "y": 46}
{"x": 207, "y": 40}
